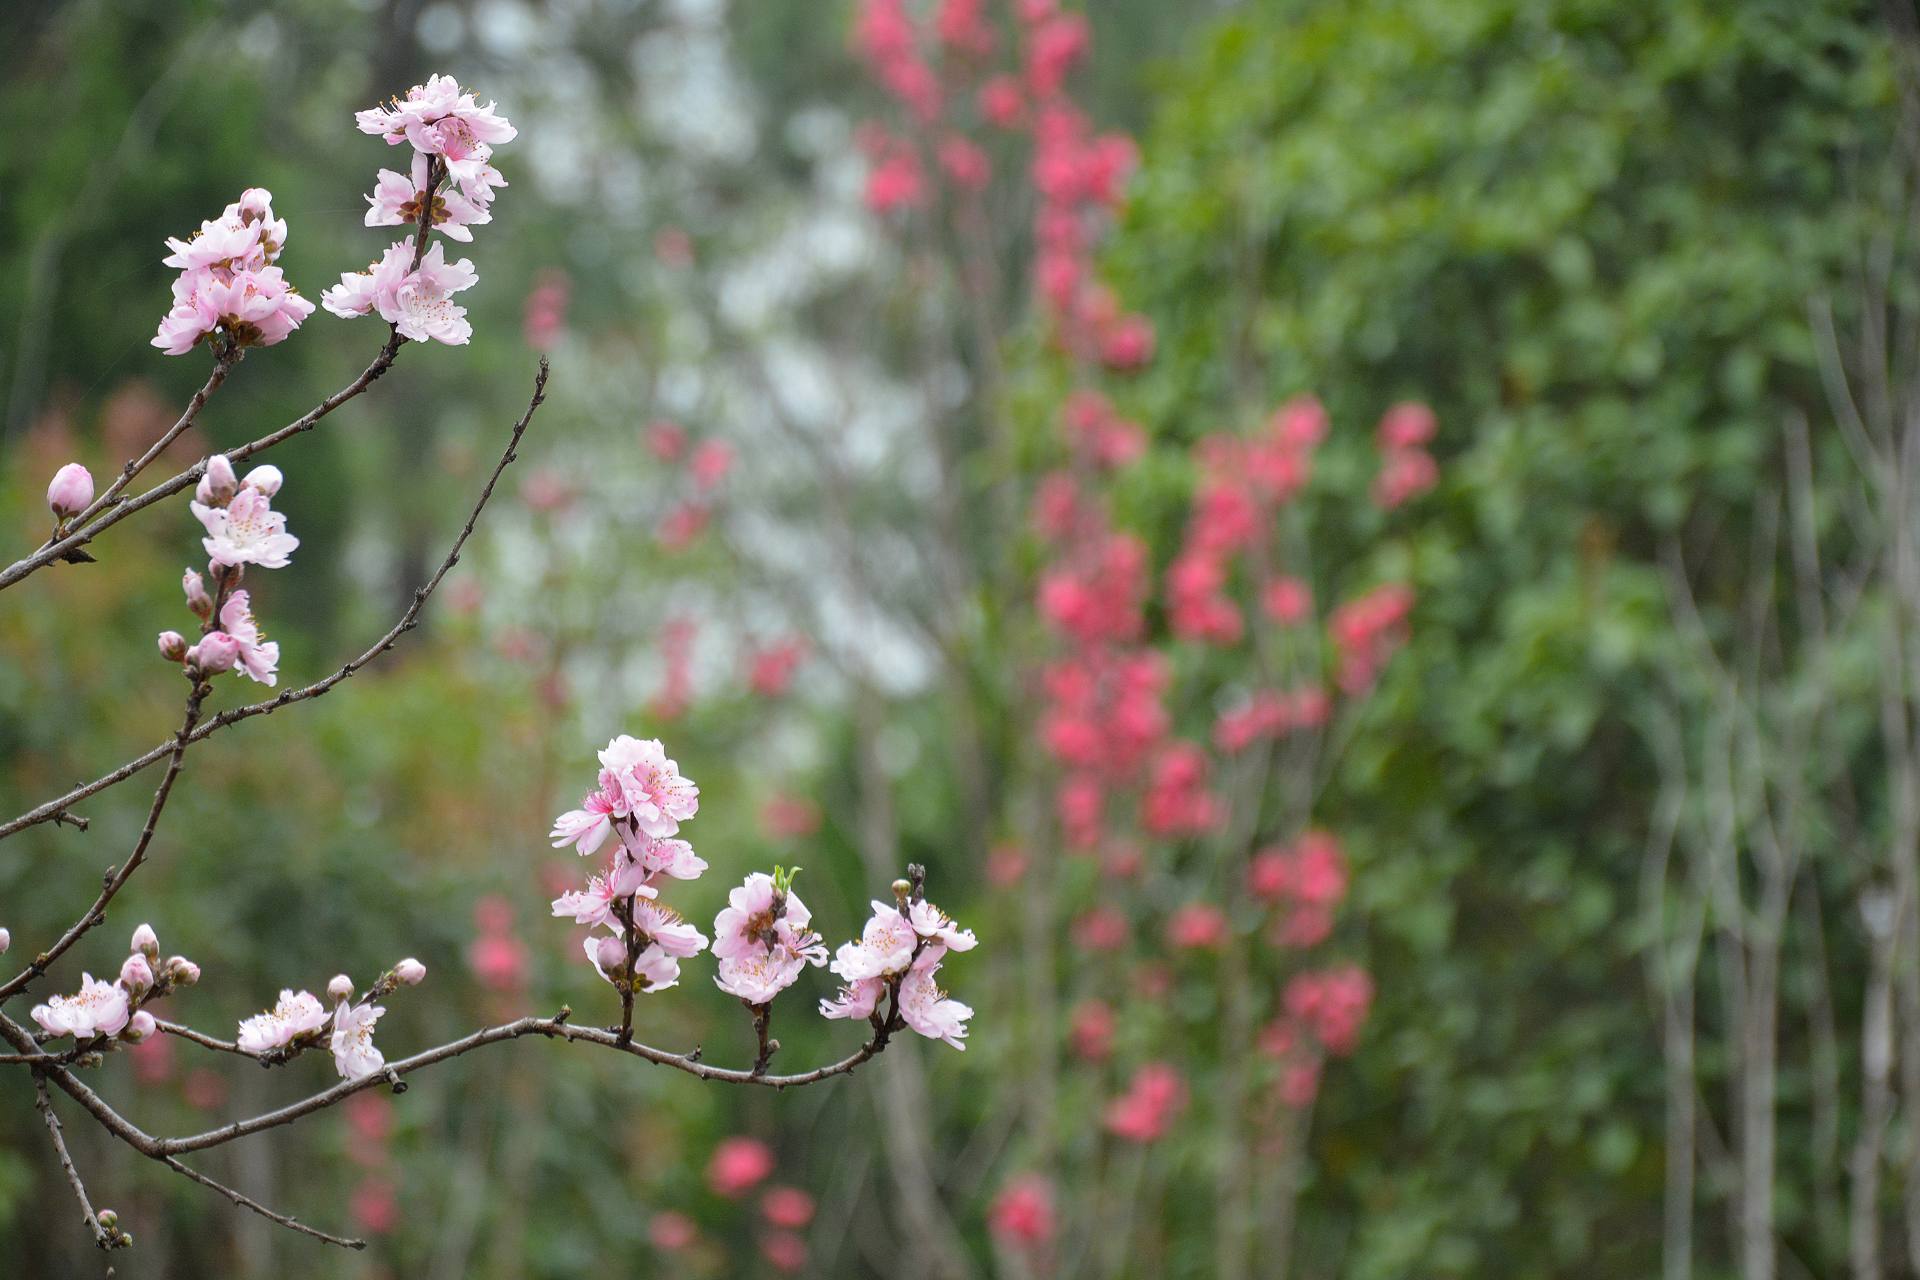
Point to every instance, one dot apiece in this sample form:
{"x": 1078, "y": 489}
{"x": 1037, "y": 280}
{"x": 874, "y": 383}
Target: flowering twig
{"x": 57, "y": 807}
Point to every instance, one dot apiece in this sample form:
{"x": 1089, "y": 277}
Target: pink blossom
{"x": 1286, "y": 600}
{"x": 1128, "y": 343}
{"x": 1001, "y": 102}
{"x": 785, "y": 1251}
{"x": 787, "y": 1207}
{"x": 682, "y": 524}
{"x": 71, "y": 491}
{"x": 885, "y": 948}
{"x": 419, "y": 118}
{"x": 417, "y": 302}
{"x": 1197, "y": 926}
{"x": 375, "y": 1205}
{"x": 257, "y": 658}
{"x": 595, "y": 904}
{"x": 587, "y": 827}
{"x": 1406, "y": 425}
{"x": 173, "y": 646}
{"x": 965, "y": 163}
{"x": 1023, "y": 1213}
{"x": 709, "y": 463}
{"x": 1090, "y": 1030}
{"x": 354, "y": 1054}
{"x": 762, "y": 941}
{"x": 1333, "y": 1003}
{"x": 1142, "y": 1114}
{"x": 929, "y": 1010}
{"x": 1054, "y": 46}
{"x": 665, "y": 440}
{"x": 395, "y": 202}
{"x": 1299, "y": 1082}
{"x": 256, "y": 308}
{"x": 672, "y": 1231}
{"x": 936, "y": 926}
{"x": 246, "y": 531}
{"x": 136, "y": 975}
{"x": 97, "y": 1009}
{"x": 1104, "y": 928}
{"x": 856, "y": 1000}
{"x": 216, "y": 653}
{"x": 739, "y": 1165}
{"x": 1404, "y": 474}
{"x": 647, "y": 786}
{"x": 296, "y": 1014}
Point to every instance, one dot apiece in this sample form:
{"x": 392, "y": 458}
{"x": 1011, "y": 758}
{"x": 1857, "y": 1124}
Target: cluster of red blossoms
{"x": 973, "y": 83}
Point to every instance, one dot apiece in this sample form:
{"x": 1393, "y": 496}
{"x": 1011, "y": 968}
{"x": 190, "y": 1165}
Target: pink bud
{"x": 216, "y": 652}
{"x": 182, "y": 971}
{"x": 147, "y": 942}
{"x": 136, "y": 975}
{"x": 218, "y": 485}
{"x": 612, "y": 954}
{"x": 139, "y": 1027}
{"x": 267, "y": 479}
{"x": 410, "y": 971}
{"x": 6, "y": 940}
{"x": 196, "y": 588}
{"x": 173, "y": 646}
{"x": 341, "y": 988}
{"x": 71, "y": 490}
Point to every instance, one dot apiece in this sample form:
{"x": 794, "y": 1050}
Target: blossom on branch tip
{"x": 217, "y": 484}
{"x": 97, "y": 1009}
{"x": 410, "y": 972}
{"x": 929, "y": 1010}
{"x": 418, "y": 303}
{"x": 173, "y": 646}
{"x": 294, "y": 1015}
{"x": 139, "y": 1027}
{"x": 228, "y": 283}
{"x": 136, "y": 975}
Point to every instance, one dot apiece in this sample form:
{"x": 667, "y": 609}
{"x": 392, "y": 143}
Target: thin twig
{"x": 247, "y": 1202}
{"x": 408, "y": 620}
{"x": 116, "y": 881}
{"x": 106, "y": 1239}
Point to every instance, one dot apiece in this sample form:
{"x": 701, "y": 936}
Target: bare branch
{"x": 247, "y": 1202}
{"x": 104, "y": 1236}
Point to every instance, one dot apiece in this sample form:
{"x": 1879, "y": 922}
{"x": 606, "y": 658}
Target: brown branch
{"x": 408, "y": 621}
{"x": 246, "y": 1202}
{"x": 116, "y": 881}
{"x": 104, "y": 1236}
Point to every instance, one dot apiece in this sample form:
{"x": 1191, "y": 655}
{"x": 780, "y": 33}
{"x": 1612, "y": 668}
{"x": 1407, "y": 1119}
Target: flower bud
{"x": 901, "y": 889}
{"x": 6, "y": 940}
{"x": 341, "y": 988}
{"x": 108, "y": 1219}
{"x": 197, "y": 598}
{"x": 218, "y": 485}
{"x": 71, "y": 490}
{"x": 173, "y": 646}
{"x": 147, "y": 942}
{"x": 136, "y": 975}
{"x": 182, "y": 971}
{"x": 266, "y": 478}
{"x": 139, "y": 1027}
{"x": 611, "y": 951}
{"x": 410, "y": 971}
{"x": 216, "y": 652}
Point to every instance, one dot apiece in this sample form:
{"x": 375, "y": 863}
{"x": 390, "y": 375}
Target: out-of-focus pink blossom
{"x": 1023, "y": 1213}
{"x": 785, "y": 816}
{"x": 375, "y": 1205}
{"x": 787, "y": 1207}
{"x": 1197, "y": 926}
{"x": 786, "y": 1251}
{"x": 672, "y": 1231}
{"x": 964, "y": 163}
{"x": 738, "y": 1165}
{"x": 1144, "y": 1112}
{"x": 1001, "y": 102}
{"x": 665, "y": 440}
{"x": 1406, "y": 425}
{"x": 1090, "y": 1029}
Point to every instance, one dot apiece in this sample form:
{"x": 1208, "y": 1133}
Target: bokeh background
{"x": 1618, "y": 774}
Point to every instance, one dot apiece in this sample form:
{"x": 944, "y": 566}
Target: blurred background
{"x": 1366, "y": 545}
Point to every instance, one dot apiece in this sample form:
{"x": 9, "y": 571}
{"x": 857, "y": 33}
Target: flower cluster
{"x": 762, "y": 940}
{"x": 103, "y": 1011}
{"x": 640, "y": 802}
{"x": 229, "y": 289}
{"x": 242, "y": 528}
{"x": 900, "y": 951}
{"x": 449, "y": 185}
{"x": 1406, "y": 468}
{"x": 299, "y": 1021}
